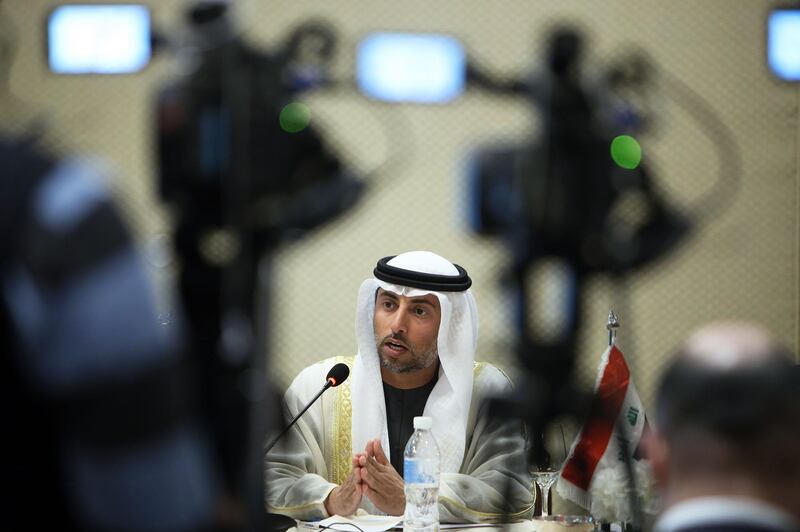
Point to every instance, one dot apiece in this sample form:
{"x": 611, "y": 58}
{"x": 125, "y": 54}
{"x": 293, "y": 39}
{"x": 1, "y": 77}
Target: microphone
{"x": 337, "y": 375}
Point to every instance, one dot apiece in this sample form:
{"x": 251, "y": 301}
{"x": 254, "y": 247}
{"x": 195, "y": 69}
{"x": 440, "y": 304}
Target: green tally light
{"x": 626, "y": 152}
{"x": 295, "y": 117}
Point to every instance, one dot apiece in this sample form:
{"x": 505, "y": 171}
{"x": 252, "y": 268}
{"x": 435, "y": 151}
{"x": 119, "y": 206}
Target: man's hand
{"x": 380, "y": 482}
{"x": 344, "y": 499}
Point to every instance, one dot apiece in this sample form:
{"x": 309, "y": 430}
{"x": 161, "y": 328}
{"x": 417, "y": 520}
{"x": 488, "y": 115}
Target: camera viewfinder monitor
{"x": 410, "y": 67}
{"x": 98, "y": 38}
{"x": 783, "y": 43}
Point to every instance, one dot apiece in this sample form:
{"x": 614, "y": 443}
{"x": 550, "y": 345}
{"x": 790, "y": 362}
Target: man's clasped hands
{"x": 372, "y": 476}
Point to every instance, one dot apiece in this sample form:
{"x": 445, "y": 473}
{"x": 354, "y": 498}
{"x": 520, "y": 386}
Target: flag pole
{"x": 612, "y": 325}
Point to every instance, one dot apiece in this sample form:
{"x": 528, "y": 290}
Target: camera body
{"x": 225, "y": 159}
{"x": 559, "y": 195}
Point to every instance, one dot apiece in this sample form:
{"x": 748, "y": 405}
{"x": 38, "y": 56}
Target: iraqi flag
{"x": 616, "y": 413}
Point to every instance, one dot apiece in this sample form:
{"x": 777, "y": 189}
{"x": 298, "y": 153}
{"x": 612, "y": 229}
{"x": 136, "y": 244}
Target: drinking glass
{"x": 546, "y": 472}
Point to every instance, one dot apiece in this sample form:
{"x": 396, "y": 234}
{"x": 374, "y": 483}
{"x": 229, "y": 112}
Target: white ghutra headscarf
{"x": 414, "y": 274}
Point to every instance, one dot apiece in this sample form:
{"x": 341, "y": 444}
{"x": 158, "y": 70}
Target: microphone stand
{"x": 328, "y": 384}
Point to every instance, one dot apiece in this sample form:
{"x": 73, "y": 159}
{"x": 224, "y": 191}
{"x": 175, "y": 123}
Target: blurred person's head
{"x": 212, "y": 27}
{"x": 564, "y": 51}
{"x": 728, "y": 419}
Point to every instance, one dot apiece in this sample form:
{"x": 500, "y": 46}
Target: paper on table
{"x": 375, "y": 523}
{"x": 445, "y": 526}
{"x": 367, "y": 523}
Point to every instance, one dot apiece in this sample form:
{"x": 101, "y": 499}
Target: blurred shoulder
{"x": 488, "y": 377}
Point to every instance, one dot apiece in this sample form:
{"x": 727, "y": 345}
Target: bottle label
{"x": 421, "y": 471}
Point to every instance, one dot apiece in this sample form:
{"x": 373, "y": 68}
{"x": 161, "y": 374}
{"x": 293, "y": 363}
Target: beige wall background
{"x": 742, "y": 264}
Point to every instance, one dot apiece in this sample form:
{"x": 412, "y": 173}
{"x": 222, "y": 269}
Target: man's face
{"x": 406, "y": 329}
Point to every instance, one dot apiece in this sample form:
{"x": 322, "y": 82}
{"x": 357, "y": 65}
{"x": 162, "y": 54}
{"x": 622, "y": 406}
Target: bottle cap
{"x": 422, "y": 422}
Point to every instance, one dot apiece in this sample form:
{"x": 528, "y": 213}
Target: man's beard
{"x": 421, "y": 358}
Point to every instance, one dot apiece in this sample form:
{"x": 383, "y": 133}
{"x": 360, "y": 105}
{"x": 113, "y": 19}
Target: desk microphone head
{"x": 338, "y": 374}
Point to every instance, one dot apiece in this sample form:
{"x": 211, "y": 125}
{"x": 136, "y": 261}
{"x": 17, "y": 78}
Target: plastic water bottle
{"x": 421, "y": 476}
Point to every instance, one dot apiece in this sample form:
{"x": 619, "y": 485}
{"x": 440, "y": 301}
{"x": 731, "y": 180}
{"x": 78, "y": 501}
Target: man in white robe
{"x": 416, "y": 328}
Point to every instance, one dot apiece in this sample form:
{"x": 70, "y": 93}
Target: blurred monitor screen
{"x": 783, "y": 43}
{"x": 98, "y": 38}
{"x": 410, "y": 67}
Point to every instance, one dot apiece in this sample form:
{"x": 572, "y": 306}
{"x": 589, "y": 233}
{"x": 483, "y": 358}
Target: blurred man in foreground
{"x": 726, "y": 451}
{"x": 94, "y": 393}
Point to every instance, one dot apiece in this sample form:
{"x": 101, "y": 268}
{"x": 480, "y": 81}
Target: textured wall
{"x": 741, "y": 263}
